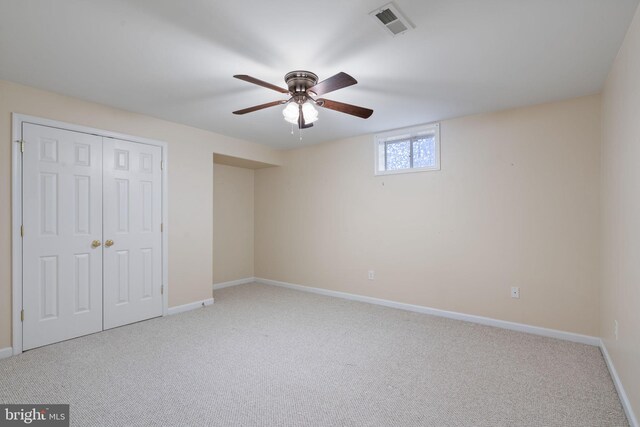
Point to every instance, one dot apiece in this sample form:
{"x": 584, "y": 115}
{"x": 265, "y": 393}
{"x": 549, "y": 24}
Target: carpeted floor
{"x": 267, "y": 356}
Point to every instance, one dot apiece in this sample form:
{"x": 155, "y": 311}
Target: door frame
{"x": 16, "y": 210}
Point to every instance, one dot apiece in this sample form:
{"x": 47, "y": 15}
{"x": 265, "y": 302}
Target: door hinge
{"x": 22, "y": 231}
{"x": 162, "y": 290}
{"x": 161, "y": 164}
{"x": 22, "y": 315}
{"x": 22, "y": 145}
{"x": 161, "y": 227}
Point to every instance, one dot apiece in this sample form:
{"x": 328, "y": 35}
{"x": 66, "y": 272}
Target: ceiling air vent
{"x": 390, "y": 18}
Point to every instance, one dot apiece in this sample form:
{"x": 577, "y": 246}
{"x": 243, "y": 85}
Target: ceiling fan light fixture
{"x": 309, "y": 112}
{"x": 290, "y": 113}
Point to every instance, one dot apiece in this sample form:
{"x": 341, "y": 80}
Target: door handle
{"x": 108, "y": 243}
{"x": 95, "y": 244}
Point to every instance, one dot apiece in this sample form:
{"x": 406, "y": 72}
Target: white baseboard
{"x": 190, "y": 306}
{"x": 222, "y": 285}
{"x": 6, "y": 352}
{"x": 520, "y": 327}
{"x": 624, "y": 399}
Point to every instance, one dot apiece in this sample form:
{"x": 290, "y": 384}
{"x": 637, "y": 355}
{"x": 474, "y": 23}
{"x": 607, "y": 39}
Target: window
{"x": 408, "y": 150}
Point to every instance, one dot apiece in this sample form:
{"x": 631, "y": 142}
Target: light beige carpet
{"x": 266, "y": 356}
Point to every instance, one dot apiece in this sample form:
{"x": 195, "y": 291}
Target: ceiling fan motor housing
{"x": 298, "y": 83}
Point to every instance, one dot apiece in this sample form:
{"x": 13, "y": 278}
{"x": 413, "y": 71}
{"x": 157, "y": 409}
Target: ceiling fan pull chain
{"x": 291, "y": 128}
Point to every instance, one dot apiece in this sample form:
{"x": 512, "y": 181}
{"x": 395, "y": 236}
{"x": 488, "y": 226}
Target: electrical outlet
{"x": 372, "y": 275}
{"x": 615, "y": 329}
{"x": 515, "y": 292}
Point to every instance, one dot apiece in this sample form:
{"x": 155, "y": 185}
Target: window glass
{"x": 424, "y": 152}
{"x": 398, "y": 155}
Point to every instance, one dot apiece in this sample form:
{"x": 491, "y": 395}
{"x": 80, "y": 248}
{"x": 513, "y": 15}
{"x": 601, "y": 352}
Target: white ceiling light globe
{"x": 309, "y": 112}
{"x": 290, "y": 113}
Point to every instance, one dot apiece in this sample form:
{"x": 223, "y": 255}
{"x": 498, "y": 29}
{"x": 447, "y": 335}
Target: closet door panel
{"x": 62, "y": 217}
{"x": 133, "y": 239}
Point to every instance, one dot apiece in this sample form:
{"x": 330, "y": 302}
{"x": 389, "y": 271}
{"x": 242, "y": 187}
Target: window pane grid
{"x": 413, "y": 150}
{"x": 416, "y": 152}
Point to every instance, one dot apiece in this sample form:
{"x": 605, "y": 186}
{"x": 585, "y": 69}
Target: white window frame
{"x": 406, "y": 133}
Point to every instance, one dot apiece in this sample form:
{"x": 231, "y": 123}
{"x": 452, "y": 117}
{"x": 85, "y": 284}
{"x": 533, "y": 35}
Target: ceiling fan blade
{"x": 259, "y": 107}
{"x": 354, "y": 110}
{"x": 260, "y": 83}
{"x": 339, "y": 81}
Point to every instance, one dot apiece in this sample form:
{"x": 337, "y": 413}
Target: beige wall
{"x": 190, "y": 184}
{"x": 515, "y": 204}
{"x": 232, "y": 223}
{"x": 620, "y": 298}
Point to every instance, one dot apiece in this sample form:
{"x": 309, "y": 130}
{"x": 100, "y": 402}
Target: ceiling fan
{"x": 303, "y": 88}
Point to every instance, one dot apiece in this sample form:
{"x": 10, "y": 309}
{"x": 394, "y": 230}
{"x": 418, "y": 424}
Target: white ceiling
{"x": 175, "y": 59}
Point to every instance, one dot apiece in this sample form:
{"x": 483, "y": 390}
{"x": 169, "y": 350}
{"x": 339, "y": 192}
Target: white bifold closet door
{"x": 92, "y": 245}
{"x": 62, "y": 217}
{"x": 132, "y": 218}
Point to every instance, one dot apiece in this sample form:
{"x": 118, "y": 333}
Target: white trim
{"x": 222, "y": 285}
{"x": 165, "y": 228}
{"x": 16, "y": 202}
{"x": 624, "y": 399}
{"x": 85, "y": 129}
{"x": 16, "y": 239}
{"x": 190, "y": 306}
{"x": 6, "y": 352}
{"x": 520, "y": 327}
